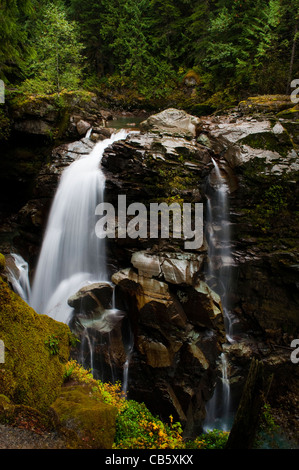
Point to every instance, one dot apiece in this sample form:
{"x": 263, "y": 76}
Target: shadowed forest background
{"x": 149, "y": 49}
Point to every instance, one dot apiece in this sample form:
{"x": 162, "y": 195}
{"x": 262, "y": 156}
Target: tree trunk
{"x": 247, "y": 417}
{"x": 292, "y": 59}
{"x": 57, "y": 69}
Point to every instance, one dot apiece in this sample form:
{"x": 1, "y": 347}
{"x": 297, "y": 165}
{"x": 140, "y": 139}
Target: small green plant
{"x": 214, "y": 439}
{"x": 52, "y": 343}
{"x": 268, "y": 429}
{"x": 73, "y": 340}
{"x": 68, "y": 370}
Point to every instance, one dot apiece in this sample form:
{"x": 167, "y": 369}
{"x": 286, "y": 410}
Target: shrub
{"x": 214, "y": 439}
{"x": 136, "y": 426}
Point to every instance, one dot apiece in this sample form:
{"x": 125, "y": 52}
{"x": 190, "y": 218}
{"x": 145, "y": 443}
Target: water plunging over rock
{"x": 218, "y": 275}
{"x": 18, "y": 271}
{"x": 72, "y": 255}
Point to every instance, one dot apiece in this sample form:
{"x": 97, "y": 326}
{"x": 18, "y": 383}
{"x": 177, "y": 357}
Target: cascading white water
{"x": 218, "y": 277}
{"x": 220, "y": 259}
{"x": 20, "y": 279}
{"x": 71, "y": 254}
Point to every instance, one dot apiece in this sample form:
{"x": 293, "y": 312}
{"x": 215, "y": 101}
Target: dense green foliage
{"x": 236, "y": 47}
{"x": 136, "y": 427}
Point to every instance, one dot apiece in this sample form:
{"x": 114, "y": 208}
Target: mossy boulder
{"x": 83, "y": 419}
{"x": 191, "y": 79}
{"x": 265, "y": 104}
{"x": 56, "y": 115}
{"x": 32, "y": 373}
{"x": 290, "y": 113}
{"x": 280, "y": 143}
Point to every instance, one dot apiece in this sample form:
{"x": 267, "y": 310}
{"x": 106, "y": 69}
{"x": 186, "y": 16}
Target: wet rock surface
{"x": 175, "y": 321}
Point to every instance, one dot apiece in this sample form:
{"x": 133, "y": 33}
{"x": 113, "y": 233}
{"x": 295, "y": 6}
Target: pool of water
{"x": 125, "y": 122}
{"x": 276, "y": 440}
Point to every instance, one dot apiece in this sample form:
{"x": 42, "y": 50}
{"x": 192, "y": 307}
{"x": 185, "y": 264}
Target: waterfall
{"x": 20, "y": 279}
{"x": 129, "y": 351}
{"x": 72, "y": 255}
{"x": 218, "y": 277}
{"x": 219, "y": 239}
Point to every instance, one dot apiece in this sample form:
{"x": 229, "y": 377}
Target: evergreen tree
{"x": 242, "y": 36}
{"x": 13, "y": 15}
{"x": 90, "y": 17}
{"x": 55, "y": 61}
{"x": 169, "y": 23}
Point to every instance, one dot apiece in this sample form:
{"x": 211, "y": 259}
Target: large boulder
{"x": 176, "y": 268}
{"x": 96, "y": 296}
{"x": 84, "y": 420}
{"x": 172, "y": 122}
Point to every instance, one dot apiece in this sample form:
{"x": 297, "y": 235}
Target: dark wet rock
{"x": 92, "y": 297}
{"x": 174, "y": 320}
{"x": 55, "y": 116}
{"x": 82, "y": 127}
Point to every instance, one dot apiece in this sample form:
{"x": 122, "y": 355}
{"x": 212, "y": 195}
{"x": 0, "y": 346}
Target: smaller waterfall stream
{"x": 20, "y": 279}
{"x": 218, "y": 277}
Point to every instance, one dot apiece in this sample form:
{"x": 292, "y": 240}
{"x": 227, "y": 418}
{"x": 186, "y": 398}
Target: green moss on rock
{"x": 292, "y": 113}
{"x": 2, "y": 262}
{"x": 281, "y": 144}
{"x": 265, "y": 104}
{"x": 84, "y": 420}
{"x": 30, "y": 375}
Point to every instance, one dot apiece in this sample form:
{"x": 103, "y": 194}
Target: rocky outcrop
{"x": 258, "y": 157}
{"x": 245, "y": 141}
{"x": 261, "y": 151}
{"x": 68, "y": 114}
{"x": 177, "y": 335}
{"x": 176, "y": 268}
{"x": 168, "y": 324}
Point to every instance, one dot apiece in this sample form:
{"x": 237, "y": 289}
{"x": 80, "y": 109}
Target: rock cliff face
{"x": 169, "y": 330}
{"x": 262, "y": 154}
